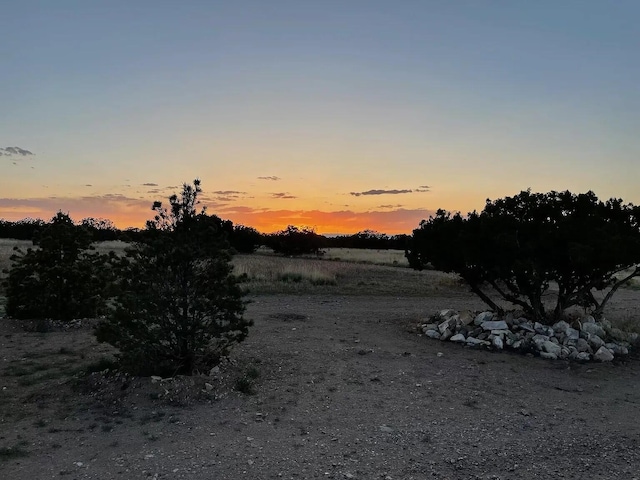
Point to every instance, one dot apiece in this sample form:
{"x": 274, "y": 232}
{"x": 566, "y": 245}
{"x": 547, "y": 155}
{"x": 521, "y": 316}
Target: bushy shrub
{"x": 518, "y": 246}
{"x": 178, "y": 308}
{"x": 295, "y": 241}
{"x": 61, "y": 278}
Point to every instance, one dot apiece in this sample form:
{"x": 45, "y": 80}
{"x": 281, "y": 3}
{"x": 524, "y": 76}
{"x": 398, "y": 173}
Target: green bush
{"x": 61, "y": 278}
{"x": 178, "y": 309}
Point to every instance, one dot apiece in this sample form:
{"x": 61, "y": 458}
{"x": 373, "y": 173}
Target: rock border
{"x": 584, "y": 340}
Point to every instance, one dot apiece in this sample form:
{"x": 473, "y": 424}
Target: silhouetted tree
{"x": 61, "y": 278}
{"x": 518, "y": 245}
{"x": 295, "y": 241}
{"x": 178, "y": 308}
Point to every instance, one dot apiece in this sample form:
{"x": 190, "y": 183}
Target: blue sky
{"x": 339, "y": 115}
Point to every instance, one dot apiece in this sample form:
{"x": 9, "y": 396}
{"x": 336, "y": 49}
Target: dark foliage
{"x": 245, "y": 239}
{"x": 61, "y": 279}
{"x": 178, "y": 309}
{"x": 25, "y": 229}
{"x": 295, "y": 241}
{"x": 369, "y": 239}
{"x": 101, "y": 229}
{"x": 517, "y": 246}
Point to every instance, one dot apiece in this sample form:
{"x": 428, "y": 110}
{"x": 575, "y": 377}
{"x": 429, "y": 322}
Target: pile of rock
{"x": 583, "y": 340}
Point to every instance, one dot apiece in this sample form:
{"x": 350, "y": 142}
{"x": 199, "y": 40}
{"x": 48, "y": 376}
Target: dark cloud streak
{"x": 381, "y": 192}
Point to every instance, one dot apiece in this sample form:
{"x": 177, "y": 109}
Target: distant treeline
{"x": 290, "y": 241}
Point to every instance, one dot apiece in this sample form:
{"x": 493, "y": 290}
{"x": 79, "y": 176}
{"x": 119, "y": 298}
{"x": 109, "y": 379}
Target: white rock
{"x": 474, "y": 341}
{"x": 603, "y": 355}
{"x": 582, "y": 345}
{"x": 446, "y": 335}
{"x": 549, "y": 356}
{"x": 482, "y": 317}
{"x": 561, "y": 326}
{"x": 593, "y": 329}
{"x": 446, "y": 314}
{"x": 572, "y": 334}
{"x": 595, "y": 341}
{"x": 466, "y": 317}
{"x": 539, "y": 340}
{"x": 588, "y": 319}
{"x": 583, "y": 356}
{"x": 458, "y": 338}
{"x": 432, "y": 334}
{"x": 551, "y": 347}
{"x": 497, "y": 343}
{"x": 494, "y": 325}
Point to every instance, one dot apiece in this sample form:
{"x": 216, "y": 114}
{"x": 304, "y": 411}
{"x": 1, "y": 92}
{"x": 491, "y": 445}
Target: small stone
{"x": 582, "y": 345}
{"x": 446, "y": 335}
{"x": 527, "y": 327}
{"x": 155, "y": 379}
{"x": 497, "y": 343}
{"x": 603, "y": 355}
{"x": 474, "y": 341}
{"x": 386, "y": 429}
{"x": 208, "y": 387}
{"x": 550, "y": 347}
{"x": 495, "y": 325}
{"x": 595, "y": 341}
{"x": 466, "y": 317}
{"x": 548, "y": 355}
{"x": 561, "y": 326}
{"x": 543, "y": 329}
{"x": 432, "y": 334}
{"x": 593, "y": 329}
{"x": 458, "y": 338}
{"x": 482, "y": 317}
{"x": 583, "y": 357}
{"x": 446, "y": 314}
{"x": 572, "y": 334}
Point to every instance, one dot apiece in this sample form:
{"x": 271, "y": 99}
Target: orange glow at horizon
{"x": 390, "y": 222}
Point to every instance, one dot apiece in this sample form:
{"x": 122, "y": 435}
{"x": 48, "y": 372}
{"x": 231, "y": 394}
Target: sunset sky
{"x": 340, "y": 115}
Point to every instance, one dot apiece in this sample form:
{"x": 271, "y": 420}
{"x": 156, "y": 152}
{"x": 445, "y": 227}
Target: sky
{"x": 337, "y": 115}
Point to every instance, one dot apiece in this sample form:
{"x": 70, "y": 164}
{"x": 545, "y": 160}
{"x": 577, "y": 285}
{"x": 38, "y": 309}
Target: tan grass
{"x": 268, "y": 269}
{"x": 360, "y": 255}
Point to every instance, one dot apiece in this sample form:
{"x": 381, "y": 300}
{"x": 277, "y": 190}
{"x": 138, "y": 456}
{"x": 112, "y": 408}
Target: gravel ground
{"x": 346, "y": 389}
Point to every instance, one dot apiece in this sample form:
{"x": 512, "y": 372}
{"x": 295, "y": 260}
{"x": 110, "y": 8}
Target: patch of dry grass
{"x": 262, "y": 270}
{"x": 360, "y": 255}
{"x": 276, "y": 274}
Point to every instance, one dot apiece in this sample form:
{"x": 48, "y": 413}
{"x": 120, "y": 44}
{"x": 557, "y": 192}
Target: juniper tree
{"x": 178, "y": 308}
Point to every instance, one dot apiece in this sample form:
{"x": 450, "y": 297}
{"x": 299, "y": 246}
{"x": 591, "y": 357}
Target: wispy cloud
{"x": 380, "y": 192}
{"x": 15, "y": 152}
{"x": 229, "y": 192}
{"x": 149, "y": 184}
{"x": 282, "y": 195}
{"x": 390, "y": 206}
{"x": 270, "y": 177}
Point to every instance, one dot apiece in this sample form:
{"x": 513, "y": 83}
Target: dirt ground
{"x": 338, "y": 387}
